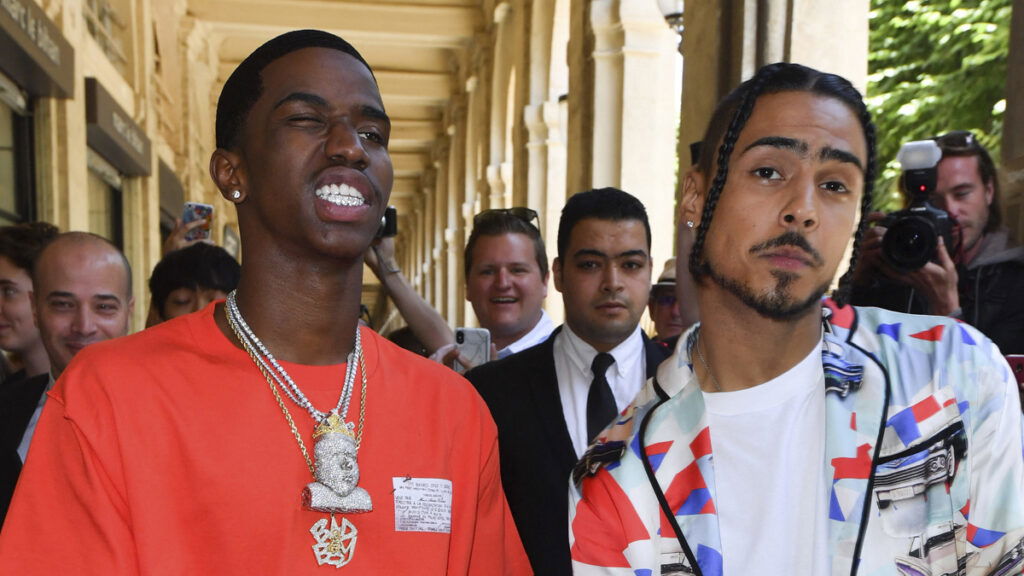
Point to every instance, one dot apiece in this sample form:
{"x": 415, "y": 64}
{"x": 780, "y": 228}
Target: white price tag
{"x": 423, "y": 504}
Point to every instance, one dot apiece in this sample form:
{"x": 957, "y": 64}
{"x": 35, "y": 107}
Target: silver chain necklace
{"x": 700, "y": 356}
{"x": 281, "y": 376}
{"x": 335, "y": 489}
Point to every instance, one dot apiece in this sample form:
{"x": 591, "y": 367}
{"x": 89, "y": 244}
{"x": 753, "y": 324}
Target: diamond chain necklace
{"x": 335, "y": 487}
{"x": 274, "y": 369}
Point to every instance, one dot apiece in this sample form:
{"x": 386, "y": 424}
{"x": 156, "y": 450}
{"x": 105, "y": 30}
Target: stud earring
{"x": 689, "y": 223}
{"x": 236, "y": 194}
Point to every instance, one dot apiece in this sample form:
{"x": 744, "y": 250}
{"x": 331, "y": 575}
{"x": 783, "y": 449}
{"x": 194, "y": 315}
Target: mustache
{"x": 790, "y": 238}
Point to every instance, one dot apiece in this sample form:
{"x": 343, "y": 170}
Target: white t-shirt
{"x": 768, "y": 444}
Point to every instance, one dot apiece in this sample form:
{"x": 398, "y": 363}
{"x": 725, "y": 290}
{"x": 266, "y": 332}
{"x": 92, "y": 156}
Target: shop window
{"x": 17, "y": 193}
{"x": 108, "y": 28}
{"x": 106, "y": 214}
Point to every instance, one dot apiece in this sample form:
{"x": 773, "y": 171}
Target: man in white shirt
{"x": 788, "y": 437}
{"x": 506, "y": 269}
{"x": 551, "y": 400}
{"x": 81, "y": 293}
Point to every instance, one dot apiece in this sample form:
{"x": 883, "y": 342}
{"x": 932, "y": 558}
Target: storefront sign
{"x": 33, "y": 52}
{"x": 112, "y": 133}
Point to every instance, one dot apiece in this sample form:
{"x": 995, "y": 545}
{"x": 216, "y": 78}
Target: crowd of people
{"x": 257, "y": 425}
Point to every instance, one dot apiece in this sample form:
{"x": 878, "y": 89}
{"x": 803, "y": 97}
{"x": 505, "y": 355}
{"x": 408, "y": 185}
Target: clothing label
{"x": 423, "y": 504}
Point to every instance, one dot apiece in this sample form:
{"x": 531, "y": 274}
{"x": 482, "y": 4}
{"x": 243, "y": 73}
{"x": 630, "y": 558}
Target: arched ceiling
{"x": 412, "y": 45}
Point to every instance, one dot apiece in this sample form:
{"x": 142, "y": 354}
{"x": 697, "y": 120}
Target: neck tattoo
{"x": 707, "y": 368}
{"x": 335, "y": 489}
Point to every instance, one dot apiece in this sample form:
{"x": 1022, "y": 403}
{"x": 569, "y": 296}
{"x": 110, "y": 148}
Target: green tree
{"x": 935, "y": 66}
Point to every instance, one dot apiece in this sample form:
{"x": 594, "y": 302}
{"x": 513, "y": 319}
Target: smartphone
{"x": 1016, "y": 362}
{"x": 197, "y": 211}
{"x": 389, "y": 227}
{"x": 475, "y": 345}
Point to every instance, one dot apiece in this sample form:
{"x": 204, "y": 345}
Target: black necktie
{"x": 600, "y": 400}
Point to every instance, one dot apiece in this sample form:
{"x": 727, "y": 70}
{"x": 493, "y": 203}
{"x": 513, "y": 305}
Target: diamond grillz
{"x": 341, "y": 195}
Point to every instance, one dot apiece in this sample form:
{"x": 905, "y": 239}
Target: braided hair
{"x": 729, "y": 119}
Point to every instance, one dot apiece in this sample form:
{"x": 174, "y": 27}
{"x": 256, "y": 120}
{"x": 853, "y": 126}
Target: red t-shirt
{"x": 166, "y": 453}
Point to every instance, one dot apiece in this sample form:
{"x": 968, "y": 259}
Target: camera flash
{"x": 919, "y": 154}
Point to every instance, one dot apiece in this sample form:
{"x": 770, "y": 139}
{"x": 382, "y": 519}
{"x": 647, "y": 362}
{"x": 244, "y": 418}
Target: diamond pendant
{"x": 336, "y": 544}
{"x": 336, "y": 488}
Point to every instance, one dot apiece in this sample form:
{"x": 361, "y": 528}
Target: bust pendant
{"x": 336, "y": 489}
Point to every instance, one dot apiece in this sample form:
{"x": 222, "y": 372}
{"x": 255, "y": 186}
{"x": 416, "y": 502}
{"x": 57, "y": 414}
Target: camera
{"x": 913, "y": 234}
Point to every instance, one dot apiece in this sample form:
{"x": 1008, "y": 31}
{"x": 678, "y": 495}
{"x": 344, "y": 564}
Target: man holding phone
{"x": 549, "y": 401}
{"x": 506, "y": 268}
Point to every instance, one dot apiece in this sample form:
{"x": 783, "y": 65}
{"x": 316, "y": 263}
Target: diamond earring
{"x": 236, "y": 194}
{"x": 689, "y": 223}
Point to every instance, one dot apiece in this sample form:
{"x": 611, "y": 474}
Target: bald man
{"x": 82, "y": 295}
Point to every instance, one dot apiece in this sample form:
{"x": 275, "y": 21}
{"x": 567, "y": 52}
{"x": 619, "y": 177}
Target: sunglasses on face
{"x": 525, "y": 214}
{"x": 665, "y": 299}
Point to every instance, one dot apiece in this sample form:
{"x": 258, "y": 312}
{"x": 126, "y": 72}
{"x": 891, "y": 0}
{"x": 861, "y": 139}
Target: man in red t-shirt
{"x": 193, "y": 447}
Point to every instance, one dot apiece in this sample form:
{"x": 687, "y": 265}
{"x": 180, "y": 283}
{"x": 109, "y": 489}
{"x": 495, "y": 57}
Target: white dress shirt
{"x": 573, "y": 358}
{"x": 30, "y": 430}
{"x": 539, "y": 333}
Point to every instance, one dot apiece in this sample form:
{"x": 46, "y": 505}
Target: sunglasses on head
{"x": 957, "y": 141}
{"x": 525, "y": 214}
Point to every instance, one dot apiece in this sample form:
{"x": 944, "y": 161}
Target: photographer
{"x": 978, "y": 277}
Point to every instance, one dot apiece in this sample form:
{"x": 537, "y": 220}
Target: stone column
{"x": 1013, "y": 128}
{"x": 633, "y": 132}
{"x": 726, "y": 42}
{"x": 580, "y": 104}
{"x": 438, "y": 177}
{"x": 472, "y": 144}
{"x": 502, "y": 81}
{"x": 537, "y": 158}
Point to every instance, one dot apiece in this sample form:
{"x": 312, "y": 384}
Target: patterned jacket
{"x": 923, "y": 445}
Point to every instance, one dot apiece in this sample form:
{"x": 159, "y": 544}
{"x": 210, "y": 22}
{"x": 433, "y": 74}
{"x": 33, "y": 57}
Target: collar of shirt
{"x": 573, "y": 358}
{"x": 628, "y": 355}
{"x": 539, "y": 333}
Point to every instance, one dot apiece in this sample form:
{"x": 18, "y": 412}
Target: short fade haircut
{"x": 22, "y": 243}
{"x": 499, "y": 223}
{"x": 201, "y": 265}
{"x": 78, "y": 237}
{"x": 986, "y": 168}
{"x": 731, "y": 116}
{"x": 604, "y": 204}
{"x": 245, "y": 85}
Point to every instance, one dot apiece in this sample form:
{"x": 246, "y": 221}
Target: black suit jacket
{"x": 535, "y": 448}
{"x": 18, "y": 401}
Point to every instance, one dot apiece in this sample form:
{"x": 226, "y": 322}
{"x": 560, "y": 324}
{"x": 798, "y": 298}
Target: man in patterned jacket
{"x": 784, "y": 438}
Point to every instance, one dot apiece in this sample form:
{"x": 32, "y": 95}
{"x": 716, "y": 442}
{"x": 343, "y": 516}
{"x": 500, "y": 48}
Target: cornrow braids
{"x": 747, "y": 94}
{"x": 841, "y": 295}
{"x": 736, "y": 109}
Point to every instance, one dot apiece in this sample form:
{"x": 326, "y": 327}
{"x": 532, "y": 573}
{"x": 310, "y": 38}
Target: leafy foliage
{"x": 935, "y": 66}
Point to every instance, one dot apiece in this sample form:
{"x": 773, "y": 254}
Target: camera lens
{"x": 459, "y": 337}
{"x": 910, "y": 243}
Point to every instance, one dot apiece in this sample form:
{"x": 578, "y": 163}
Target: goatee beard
{"x": 774, "y": 303}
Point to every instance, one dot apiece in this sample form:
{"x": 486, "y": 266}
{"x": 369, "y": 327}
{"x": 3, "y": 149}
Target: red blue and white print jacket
{"x": 923, "y": 444}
